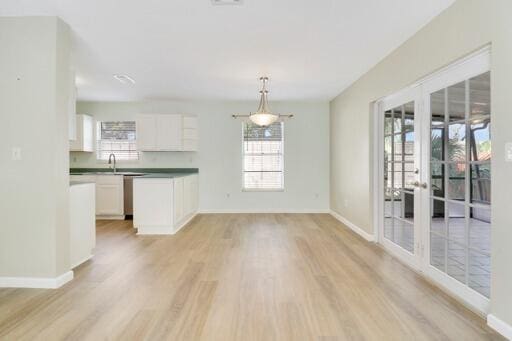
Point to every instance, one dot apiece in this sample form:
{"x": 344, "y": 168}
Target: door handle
{"x": 419, "y": 184}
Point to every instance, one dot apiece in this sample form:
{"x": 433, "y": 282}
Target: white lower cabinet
{"x": 159, "y": 204}
{"x": 190, "y": 194}
{"x": 110, "y": 196}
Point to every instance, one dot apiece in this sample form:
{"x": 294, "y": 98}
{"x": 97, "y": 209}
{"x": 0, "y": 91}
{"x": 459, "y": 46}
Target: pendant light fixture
{"x": 263, "y": 116}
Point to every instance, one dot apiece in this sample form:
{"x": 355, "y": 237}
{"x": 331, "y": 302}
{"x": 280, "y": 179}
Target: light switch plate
{"x": 508, "y": 151}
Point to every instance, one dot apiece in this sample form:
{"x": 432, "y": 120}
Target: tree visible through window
{"x": 117, "y": 137}
{"x": 263, "y": 157}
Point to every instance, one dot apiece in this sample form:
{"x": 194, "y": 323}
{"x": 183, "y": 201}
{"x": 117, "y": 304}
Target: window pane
{"x": 407, "y": 212}
{"x": 456, "y": 181}
{"x": 437, "y": 252}
{"x": 409, "y": 147}
{"x": 437, "y": 107}
{"x": 457, "y": 102}
{"x": 480, "y": 140}
{"x": 118, "y": 138}
{"x": 437, "y": 220}
{"x": 388, "y": 123}
{"x": 260, "y": 180}
{"x": 480, "y": 95}
{"x": 437, "y": 144}
{"x": 388, "y": 209}
{"x": 387, "y": 149}
{"x": 397, "y": 120}
{"x": 457, "y": 261}
{"x": 456, "y": 223}
{"x": 403, "y": 234}
{"x": 480, "y": 230}
{"x": 263, "y": 156}
{"x": 456, "y": 142}
{"x": 409, "y": 117}
{"x": 388, "y": 174}
{"x": 481, "y": 184}
{"x": 437, "y": 179}
{"x": 398, "y": 145}
{"x": 480, "y": 272}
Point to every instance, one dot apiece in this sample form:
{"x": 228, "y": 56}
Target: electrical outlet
{"x": 16, "y": 153}
{"x": 228, "y": 195}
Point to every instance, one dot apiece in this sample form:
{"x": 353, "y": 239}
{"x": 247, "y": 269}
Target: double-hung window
{"x": 118, "y": 138}
{"x": 263, "y": 157}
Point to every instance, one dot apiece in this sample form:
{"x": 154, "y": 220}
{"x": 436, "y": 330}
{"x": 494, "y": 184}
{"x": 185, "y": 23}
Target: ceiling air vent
{"x": 227, "y": 2}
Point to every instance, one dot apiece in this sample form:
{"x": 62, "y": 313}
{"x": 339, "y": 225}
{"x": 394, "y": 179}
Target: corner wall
{"x": 464, "y": 27}
{"x": 34, "y": 64}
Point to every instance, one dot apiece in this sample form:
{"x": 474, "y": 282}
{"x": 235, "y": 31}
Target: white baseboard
{"x": 110, "y": 217}
{"x": 155, "y": 230}
{"x": 368, "y": 236}
{"x": 185, "y": 222}
{"x": 269, "y": 210}
{"x": 500, "y": 326}
{"x": 81, "y": 261}
{"x": 36, "y": 282}
{"x": 160, "y": 230}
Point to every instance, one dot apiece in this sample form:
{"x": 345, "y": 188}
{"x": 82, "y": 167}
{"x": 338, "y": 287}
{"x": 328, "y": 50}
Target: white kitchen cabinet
{"x": 109, "y": 197}
{"x": 190, "y": 194}
{"x": 178, "y": 199}
{"x": 166, "y": 132}
{"x": 160, "y": 204}
{"x": 84, "y": 141}
{"x": 169, "y": 132}
{"x": 146, "y": 132}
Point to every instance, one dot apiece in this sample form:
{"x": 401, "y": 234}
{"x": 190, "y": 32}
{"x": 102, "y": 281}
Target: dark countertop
{"x": 74, "y": 183}
{"x": 149, "y": 173}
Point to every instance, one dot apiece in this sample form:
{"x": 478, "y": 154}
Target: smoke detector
{"x": 226, "y": 2}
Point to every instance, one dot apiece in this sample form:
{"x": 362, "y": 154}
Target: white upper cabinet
{"x": 169, "y": 132}
{"x": 84, "y": 141}
{"x": 166, "y": 132}
{"x": 146, "y": 132}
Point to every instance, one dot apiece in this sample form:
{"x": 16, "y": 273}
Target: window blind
{"x": 263, "y": 157}
{"x": 119, "y": 138}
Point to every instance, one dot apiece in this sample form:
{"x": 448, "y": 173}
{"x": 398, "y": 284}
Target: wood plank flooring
{"x": 239, "y": 277}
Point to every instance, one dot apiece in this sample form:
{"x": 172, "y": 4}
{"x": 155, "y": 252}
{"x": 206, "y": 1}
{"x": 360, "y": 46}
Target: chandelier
{"x": 263, "y": 116}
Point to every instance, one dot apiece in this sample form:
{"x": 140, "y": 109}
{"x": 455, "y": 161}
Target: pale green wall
{"x": 34, "y": 92}
{"x": 219, "y": 159}
{"x": 464, "y": 27}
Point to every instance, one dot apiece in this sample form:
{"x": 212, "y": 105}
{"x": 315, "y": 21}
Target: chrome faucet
{"x": 110, "y": 160}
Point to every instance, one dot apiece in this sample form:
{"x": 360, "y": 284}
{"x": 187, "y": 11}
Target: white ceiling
{"x": 190, "y": 49}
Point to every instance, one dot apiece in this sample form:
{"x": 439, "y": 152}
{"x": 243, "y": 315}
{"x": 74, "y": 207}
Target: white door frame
{"x": 472, "y": 65}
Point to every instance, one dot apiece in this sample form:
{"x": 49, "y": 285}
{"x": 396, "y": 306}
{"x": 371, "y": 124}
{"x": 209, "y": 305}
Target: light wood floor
{"x": 239, "y": 277}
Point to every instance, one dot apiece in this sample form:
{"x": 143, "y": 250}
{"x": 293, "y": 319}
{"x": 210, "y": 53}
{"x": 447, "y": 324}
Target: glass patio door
{"x": 401, "y": 167}
{"x": 459, "y": 204}
{"x": 434, "y": 177}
